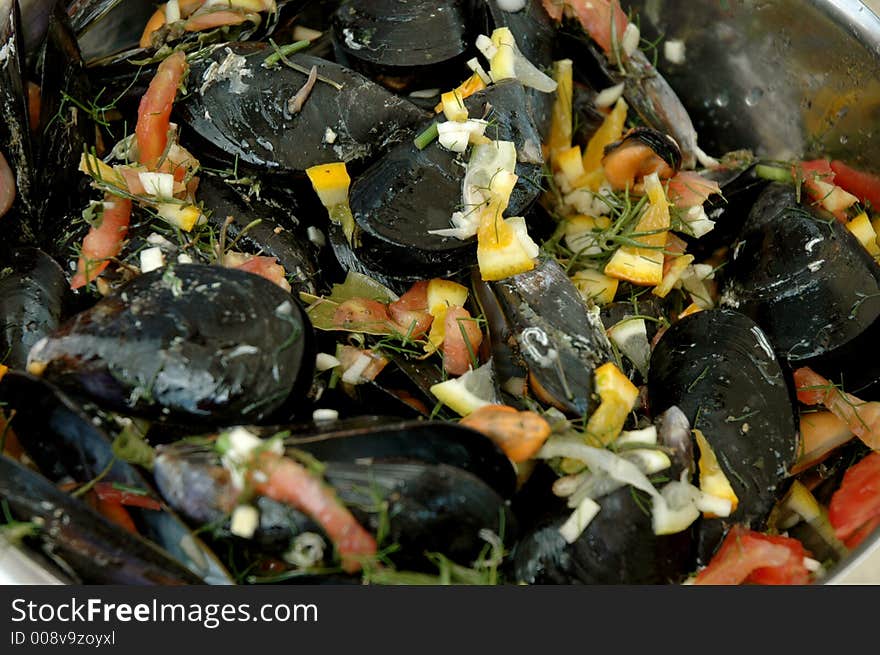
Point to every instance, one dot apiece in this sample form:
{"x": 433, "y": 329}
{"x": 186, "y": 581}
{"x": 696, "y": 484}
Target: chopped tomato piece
{"x": 856, "y": 504}
{"x": 750, "y": 557}
{"x": 410, "y": 312}
{"x": 554, "y": 8}
{"x": 689, "y": 189}
{"x": 210, "y": 20}
{"x": 268, "y": 268}
{"x": 154, "y": 112}
{"x": 103, "y": 241}
{"x": 109, "y": 492}
{"x": 862, "y": 418}
{"x": 7, "y": 185}
{"x": 114, "y": 511}
{"x": 348, "y": 355}
{"x": 864, "y": 186}
{"x": 362, "y": 314}
{"x": 596, "y": 17}
{"x": 819, "y": 182}
{"x": 461, "y": 343}
{"x": 286, "y": 481}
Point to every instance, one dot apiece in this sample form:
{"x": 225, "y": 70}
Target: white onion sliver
{"x": 607, "y": 97}
{"x": 353, "y": 374}
{"x": 580, "y": 518}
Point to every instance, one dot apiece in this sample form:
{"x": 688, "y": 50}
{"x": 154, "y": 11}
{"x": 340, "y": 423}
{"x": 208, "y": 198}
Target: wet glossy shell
{"x": 718, "y": 367}
{"x": 188, "y": 342}
{"x": 810, "y": 285}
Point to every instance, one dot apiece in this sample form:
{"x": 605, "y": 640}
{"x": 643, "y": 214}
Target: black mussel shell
{"x": 67, "y": 444}
{"x": 408, "y": 192}
{"x": 187, "y": 343}
{"x": 719, "y": 368}
{"x": 277, "y": 234}
{"x": 810, "y": 285}
{"x": 33, "y": 299}
{"x": 100, "y": 552}
{"x": 535, "y": 36}
{"x": 617, "y": 547}
{"x": 402, "y": 44}
{"x": 557, "y": 338}
{"x": 238, "y": 111}
{"x": 15, "y": 134}
{"x": 389, "y": 438}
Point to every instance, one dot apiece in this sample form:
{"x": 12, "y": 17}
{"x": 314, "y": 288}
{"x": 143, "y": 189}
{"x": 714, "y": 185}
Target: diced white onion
{"x": 160, "y": 185}
{"x": 486, "y": 47}
{"x": 673, "y": 50}
{"x": 580, "y": 518}
{"x": 151, "y": 259}
{"x": 631, "y": 337}
{"x": 326, "y": 361}
{"x": 698, "y": 222}
{"x": 353, "y": 374}
{"x": 424, "y": 93}
{"x": 320, "y": 415}
{"x": 511, "y": 5}
{"x": 329, "y": 136}
{"x": 476, "y": 67}
{"x": 456, "y": 136}
{"x": 607, "y": 97}
{"x": 630, "y": 40}
{"x": 644, "y": 437}
{"x": 172, "y": 11}
{"x": 244, "y": 521}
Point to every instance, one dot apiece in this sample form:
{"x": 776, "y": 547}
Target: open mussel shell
{"x": 719, "y": 368}
{"x": 404, "y": 44}
{"x": 260, "y": 228}
{"x": 99, "y": 551}
{"x": 409, "y": 192}
{"x": 15, "y": 135}
{"x": 33, "y": 298}
{"x": 431, "y": 504}
{"x": 64, "y": 130}
{"x": 238, "y": 111}
{"x": 558, "y": 339}
{"x": 617, "y": 547}
{"x": 810, "y": 285}
{"x": 187, "y": 343}
{"x": 390, "y": 438}
{"x": 67, "y": 444}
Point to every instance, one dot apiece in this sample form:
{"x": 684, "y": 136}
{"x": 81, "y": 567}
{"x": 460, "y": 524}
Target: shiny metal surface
{"x": 785, "y": 78}
{"x": 782, "y": 77}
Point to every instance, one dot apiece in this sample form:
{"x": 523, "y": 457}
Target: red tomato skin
{"x": 410, "y": 312}
{"x": 103, "y": 241}
{"x": 856, "y": 503}
{"x": 361, "y": 313}
{"x": 154, "y": 112}
{"x": 750, "y": 557}
{"x": 106, "y": 491}
{"x": 456, "y": 353}
{"x": 864, "y": 186}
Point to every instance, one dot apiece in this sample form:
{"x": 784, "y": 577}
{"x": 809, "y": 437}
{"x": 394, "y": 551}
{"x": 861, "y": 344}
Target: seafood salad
{"x": 416, "y": 292}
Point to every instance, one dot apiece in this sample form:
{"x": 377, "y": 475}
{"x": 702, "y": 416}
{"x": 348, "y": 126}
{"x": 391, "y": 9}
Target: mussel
{"x": 187, "y": 343}
{"x": 719, "y": 368}
{"x": 407, "y": 193}
{"x": 68, "y": 445}
{"x": 559, "y": 341}
{"x": 33, "y": 295}
{"x": 403, "y": 44}
{"x": 810, "y": 285}
{"x": 99, "y": 551}
{"x": 239, "y": 111}
{"x": 639, "y": 153}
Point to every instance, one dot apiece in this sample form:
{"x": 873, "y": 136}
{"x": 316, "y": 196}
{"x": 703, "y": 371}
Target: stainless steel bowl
{"x": 785, "y": 78}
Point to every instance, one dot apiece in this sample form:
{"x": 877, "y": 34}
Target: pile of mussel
{"x": 116, "y": 397}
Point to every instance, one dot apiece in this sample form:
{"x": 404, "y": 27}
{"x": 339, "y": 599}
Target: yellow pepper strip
{"x": 693, "y": 308}
{"x": 101, "y": 172}
{"x": 712, "y": 478}
{"x": 862, "y": 230}
{"x": 331, "y": 182}
{"x": 500, "y": 253}
{"x": 644, "y": 266}
{"x": 609, "y": 131}
{"x": 618, "y": 396}
{"x": 442, "y": 294}
{"x": 678, "y": 266}
{"x": 464, "y": 90}
{"x": 561, "y": 118}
